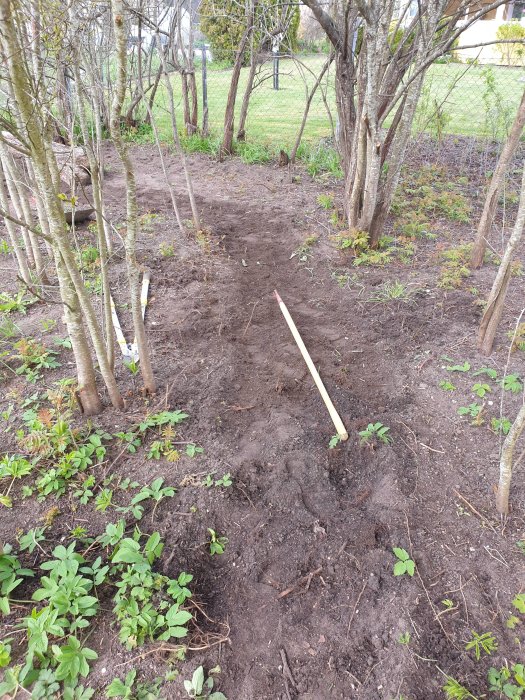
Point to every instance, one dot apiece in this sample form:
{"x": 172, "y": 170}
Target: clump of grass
{"x": 320, "y": 159}
{"x": 253, "y": 153}
{"x": 196, "y": 143}
{"x": 142, "y": 133}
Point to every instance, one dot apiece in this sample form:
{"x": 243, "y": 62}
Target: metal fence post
{"x": 276, "y": 70}
{"x": 204, "y": 92}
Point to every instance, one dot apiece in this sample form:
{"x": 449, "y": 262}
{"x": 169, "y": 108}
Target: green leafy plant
{"x": 201, "y": 688}
{"x": 455, "y": 691}
{"x": 473, "y": 410}
{"x": 512, "y": 383}
{"x": 446, "y": 385}
{"x": 122, "y": 689}
{"x": 481, "y": 642}
{"x": 192, "y": 450}
{"x": 481, "y": 389}
{"x": 133, "y": 366}
{"x": 32, "y": 539}
{"x": 147, "y": 605}
{"x": 509, "y": 681}
{"x": 217, "y": 544}
{"x": 488, "y": 371}
{"x": 11, "y": 573}
{"x": 334, "y": 441}
{"x": 72, "y": 659}
{"x": 375, "y": 431}
{"x": 326, "y": 201}
{"x": 404, "y": 564}
{"x": 18, "y": 303}
{"x": 34, "y": 356}
{"x": 404, "y": 638}
{"x": 501, "y": 425}
{"x": 465, "y": 367}
{"x": 155, "y": 491}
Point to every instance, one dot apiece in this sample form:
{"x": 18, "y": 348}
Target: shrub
{"x": 511, "y": 54}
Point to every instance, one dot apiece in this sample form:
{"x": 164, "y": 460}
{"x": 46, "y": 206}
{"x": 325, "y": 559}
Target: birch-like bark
{"x": 94, "y": 168}
{"x": 23, "y": 267}
{"x": 496, "y": 185}
{"x": 40, "y": 156}
{"x": 494, "y": 308}
{"x": 146, "y": 370}
{"x": 177, "y": 143}
{"x": 506, "y": 461}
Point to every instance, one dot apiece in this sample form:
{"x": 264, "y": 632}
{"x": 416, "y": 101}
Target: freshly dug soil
{"x": 306, "y": 585}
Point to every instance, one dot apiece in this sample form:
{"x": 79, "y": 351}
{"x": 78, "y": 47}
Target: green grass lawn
{"x": 469, "y": 100}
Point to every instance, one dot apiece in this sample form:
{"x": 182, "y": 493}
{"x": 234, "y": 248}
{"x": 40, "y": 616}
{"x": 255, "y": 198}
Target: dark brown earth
{"x": 308, "y": 570}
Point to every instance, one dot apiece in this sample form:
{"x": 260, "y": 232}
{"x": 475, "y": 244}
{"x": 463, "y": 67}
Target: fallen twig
{"x": 476, "y": 512}
{"x": 304, "y": 579}
{"x": 355, "y": 608}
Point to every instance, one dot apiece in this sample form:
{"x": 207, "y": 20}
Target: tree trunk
{"x": 496, "y": 300}
{"x": 229, "y": 115}
{"x": 23, "y": 267}
{"x": 146, "y": 369}
{"x": 241, "y": 131}
{"x": 87, "y": 388}
{"x": 505, "y": 467}
{"x": 496, "y": 184}
{"x": 309, "y": 99}
{"x": 176, "y": 141}
{"x": 94, "y": 168}
{"x": 45, "y": 175}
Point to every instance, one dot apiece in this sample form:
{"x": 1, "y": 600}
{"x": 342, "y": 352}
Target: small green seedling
{"x": 200, "y": 688}
{"x": 487, "y": 371}
{"x": 508, "y": 681}
{"x": 501, "y": 425}
{"x": 404, "y": 564}
{"x": 404, "y": 638}
{"x": 122, "y": 689}
{"x": 375, "y": 430}
{"x": 465, "y": 367}
{"x": 217, "y": 543}
{"x": 456, "y": 691}
{"x": 481, "y": 389}
{"x": 326, "y": 201}
{"x": 482, "y": 642}
{"x": 133, "y": 366}
{"x": 192, "y": 450}
{"x": 473, "y": 410}
{"x": 334, "y": 441}
{"x": 446, "y": 386}
{"x": 512, "y": 383}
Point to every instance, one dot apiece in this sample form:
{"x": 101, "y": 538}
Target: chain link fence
{"x": 457, "y": 98}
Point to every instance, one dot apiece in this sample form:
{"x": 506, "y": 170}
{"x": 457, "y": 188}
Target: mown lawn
{"x": 457, "y": 99}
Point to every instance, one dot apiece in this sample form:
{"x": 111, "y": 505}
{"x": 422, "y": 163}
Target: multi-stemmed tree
{"x": 383, "y": 49}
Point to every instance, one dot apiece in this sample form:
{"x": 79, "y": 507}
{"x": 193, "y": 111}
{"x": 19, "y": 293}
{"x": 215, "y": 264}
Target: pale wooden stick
{"x": 341, "y": 430}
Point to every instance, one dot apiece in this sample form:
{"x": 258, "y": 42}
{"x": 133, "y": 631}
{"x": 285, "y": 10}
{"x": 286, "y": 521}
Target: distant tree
{"x": 512, "y": 54}
{"x": 223, "y": 22}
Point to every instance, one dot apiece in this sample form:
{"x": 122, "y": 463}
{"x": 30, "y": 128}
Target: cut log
{"x": 72, "y": 160}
